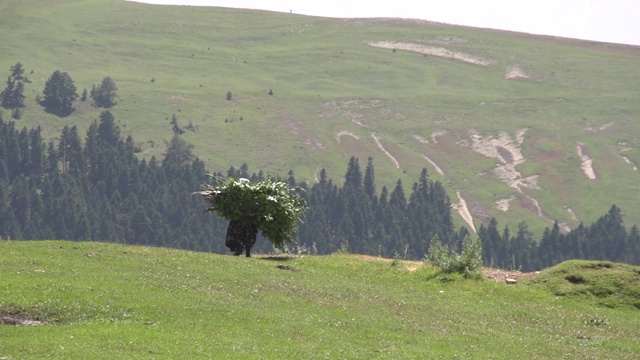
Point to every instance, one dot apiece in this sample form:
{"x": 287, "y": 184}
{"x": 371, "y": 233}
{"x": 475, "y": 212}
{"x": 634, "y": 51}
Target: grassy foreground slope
{"x": 523, "y": 127}
{"x": 106, "y": 301}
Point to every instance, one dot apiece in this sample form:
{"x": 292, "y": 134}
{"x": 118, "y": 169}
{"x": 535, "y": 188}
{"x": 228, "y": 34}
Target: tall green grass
{"x": 105, "y": 301}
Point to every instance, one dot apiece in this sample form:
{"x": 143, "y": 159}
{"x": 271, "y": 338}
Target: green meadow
{"x": 112, "y": 301}
{"x": 458, "y": 101}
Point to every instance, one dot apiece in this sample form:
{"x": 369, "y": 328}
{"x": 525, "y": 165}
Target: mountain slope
{"x": 521, "y": 127}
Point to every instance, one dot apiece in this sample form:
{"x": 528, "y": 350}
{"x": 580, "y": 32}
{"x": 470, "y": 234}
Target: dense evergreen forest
{"x": 98, "y": 189}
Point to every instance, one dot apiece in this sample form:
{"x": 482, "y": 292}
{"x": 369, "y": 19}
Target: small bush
{"x": 344, "y": 247}
{"x": 397, "y": 260}
{"x": 467, "y": 263}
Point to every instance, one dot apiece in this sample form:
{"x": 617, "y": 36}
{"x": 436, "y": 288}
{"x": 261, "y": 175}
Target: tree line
{"x": 97, "y": 188}
{"x": 605, "y": 239}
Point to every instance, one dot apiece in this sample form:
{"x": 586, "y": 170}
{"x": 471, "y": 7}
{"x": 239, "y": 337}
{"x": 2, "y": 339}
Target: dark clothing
{"x": 241, "y": 235}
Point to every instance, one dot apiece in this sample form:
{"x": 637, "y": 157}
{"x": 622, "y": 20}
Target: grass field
{"x": 106, "y": 301}
{"x": 327, "y": 78}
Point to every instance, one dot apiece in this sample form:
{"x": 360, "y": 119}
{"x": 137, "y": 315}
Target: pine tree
{"x": 12, "y": 97}
{"x": 59, "y": 93}
{"x": 105, "y": 94}
{"x": 369, "y": 179}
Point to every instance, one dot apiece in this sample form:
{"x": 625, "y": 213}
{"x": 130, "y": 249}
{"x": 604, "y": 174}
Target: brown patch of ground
{"x": 19, "y": 319}
{"x": 432, "y": 50}
{"x": 547, "y": 156}
{"x": 177, "y": 99}
{"x": 499, "y": 275}
{"x": 409, "y": 265}
{"x": 82, "y": 107}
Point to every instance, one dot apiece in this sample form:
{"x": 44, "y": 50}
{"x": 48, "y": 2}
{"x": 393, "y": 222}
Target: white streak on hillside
{"x": 393, "y": 160}
{"x": 633, "y": 166}
{"x": 572, "y": 214}
{"x": 432, "y": 50}
{"x": 508, "y": 153}
{"x": 421, "y": 139}
{"x": 600, "y": 128}
{"x": 438, "y": 170}
{"x": 503, "y": 204}
{"x": 435, "y": 135}
{"x": 515, "y": 73}
{"x": 346, "y": 133}
{"x": 461, "y": 206}
{"x": 586, "y": 163}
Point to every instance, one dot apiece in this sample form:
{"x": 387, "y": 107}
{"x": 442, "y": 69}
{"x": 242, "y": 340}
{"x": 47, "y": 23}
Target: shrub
{"x": 468, "y": 262}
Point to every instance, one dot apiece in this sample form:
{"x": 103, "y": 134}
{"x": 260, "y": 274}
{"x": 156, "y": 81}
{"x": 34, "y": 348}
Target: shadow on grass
{"x": 276, "y": 257}
{"x": 60, "y": 112}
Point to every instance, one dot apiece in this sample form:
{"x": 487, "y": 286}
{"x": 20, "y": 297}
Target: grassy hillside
{"x": 522, "y": 127}
{"x": 105, "y": 301}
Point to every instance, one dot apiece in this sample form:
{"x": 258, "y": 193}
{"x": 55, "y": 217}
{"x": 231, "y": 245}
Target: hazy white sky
{"x": 615, "y": 21}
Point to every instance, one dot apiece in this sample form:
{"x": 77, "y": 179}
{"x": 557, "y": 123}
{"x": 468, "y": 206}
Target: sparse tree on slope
{"x": 12, "y": 97}
{"x": 105, "y": 94}
{"x": 59, "y": 93}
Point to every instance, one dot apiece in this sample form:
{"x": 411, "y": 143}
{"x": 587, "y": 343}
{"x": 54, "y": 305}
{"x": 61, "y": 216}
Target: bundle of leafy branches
{"x": 273, "y": 206}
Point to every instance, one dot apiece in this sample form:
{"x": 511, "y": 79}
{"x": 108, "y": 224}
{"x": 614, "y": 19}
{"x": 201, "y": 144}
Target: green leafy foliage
{"x": 468, "y": 262}
{"x": 272, "y": 205}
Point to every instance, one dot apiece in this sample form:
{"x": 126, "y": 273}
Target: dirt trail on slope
{"x": 435, "y": 166}
{"x": 586, "y": 164}
{"x": 376, "y": 138}
{"x": 461, "y": 206}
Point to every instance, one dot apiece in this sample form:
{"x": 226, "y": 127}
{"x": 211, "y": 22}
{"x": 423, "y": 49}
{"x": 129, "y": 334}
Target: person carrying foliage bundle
{"x": 241, "y": 235}
{"x": 270, "y": 206}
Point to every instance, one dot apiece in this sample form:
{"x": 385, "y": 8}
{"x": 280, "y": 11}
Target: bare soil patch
{"x": 586, "y": 162}
{"x": 177, "y": 99}
{"x": 409, "y": 265}
{"x": 508, "y": 152}
{"x": 503, "y": 204}
{"x": 515, "y": 73}
{"x": 499, "y": 275}
{"x": 356, "y": 110}
{"x": 432, "y": 50}
{"x": 19, "y": 319}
